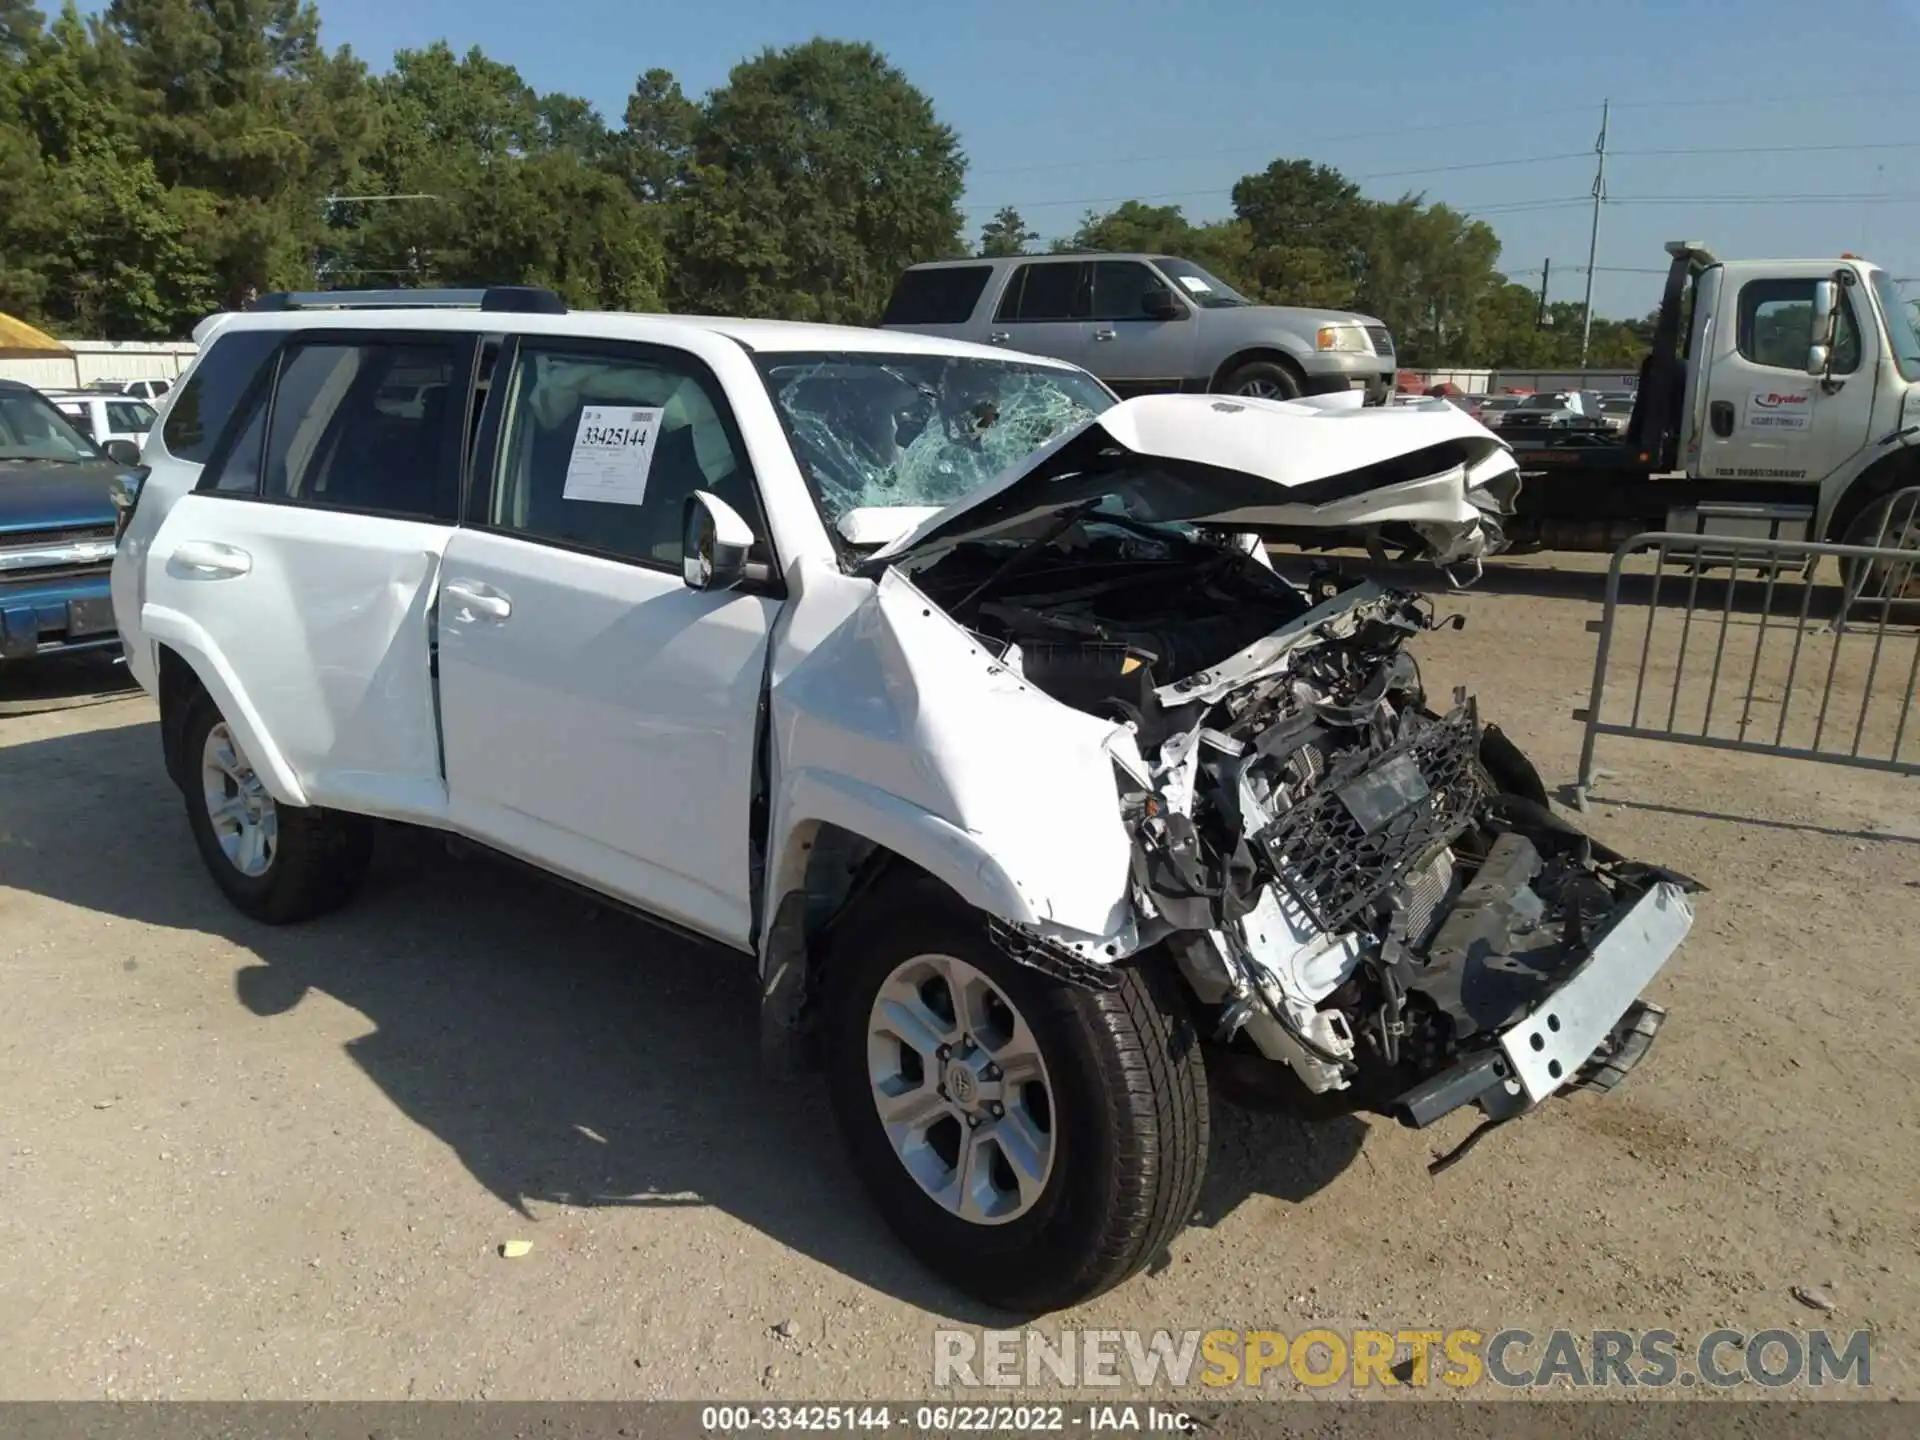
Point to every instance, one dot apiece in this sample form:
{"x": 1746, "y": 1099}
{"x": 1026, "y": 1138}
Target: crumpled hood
{"x": 1254, "y": 465}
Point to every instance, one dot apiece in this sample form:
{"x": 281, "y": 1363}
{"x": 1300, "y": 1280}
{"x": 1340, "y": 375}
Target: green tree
{"x": 820, "y": 173}
{"x": 1307, "y": 231}
{"x": 655, "y": 149}
{"x": 1006, "y": 234}
{"x": 234, "y": 99}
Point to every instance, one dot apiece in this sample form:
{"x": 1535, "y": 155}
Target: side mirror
{"x": 714, "y": 542}
{"x": 123, "y": 492}
{"x": 122, "y": 452}
{"x": 1825, "y": 322}
{"x": 1826, "y": 312}
{"x": 1160, "y": 304}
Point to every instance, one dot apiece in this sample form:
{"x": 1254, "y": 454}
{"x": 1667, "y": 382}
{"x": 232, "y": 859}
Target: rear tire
{"x": 1119, "y": 1144}
{"x": 277, "y": 863}
{"x": 1262, "y": 379}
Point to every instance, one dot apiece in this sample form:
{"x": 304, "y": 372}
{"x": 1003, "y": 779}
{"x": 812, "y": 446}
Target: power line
{"x": 1398, "y": 132}
{"x": 1866, "y": 199}
{"x": 1511, "y": 117}
{"x": 1773, "y": 149}
{"x": 1762, "y": 101}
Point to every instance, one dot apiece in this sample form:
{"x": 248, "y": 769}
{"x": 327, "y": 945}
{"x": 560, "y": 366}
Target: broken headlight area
{"x": 1367, "y": 889}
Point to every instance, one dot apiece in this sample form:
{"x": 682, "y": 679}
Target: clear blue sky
{"x": 1066, "y": 104}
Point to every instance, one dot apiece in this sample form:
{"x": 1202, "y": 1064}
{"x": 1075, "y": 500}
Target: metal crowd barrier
{"x": 1836, "y": 687}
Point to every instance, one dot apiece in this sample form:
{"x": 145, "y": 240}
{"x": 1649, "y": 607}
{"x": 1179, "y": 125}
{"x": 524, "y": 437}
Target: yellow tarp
{"x": 20, "y": 341}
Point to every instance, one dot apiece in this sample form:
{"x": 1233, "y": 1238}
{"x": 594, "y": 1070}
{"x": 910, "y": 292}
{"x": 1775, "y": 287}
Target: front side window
{"x": 601, "y": 450}
{"x": 129, "y": 417}
{"x": 889, "y": 430}
{"x": 1776, "y": 326}
{"x": 331, "y": 444}
{"x": 31, "y": 429}
{"x": 1123, "y": 289}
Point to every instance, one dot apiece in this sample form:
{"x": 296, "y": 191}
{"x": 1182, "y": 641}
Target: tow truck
{"x": 1780, "y": 400}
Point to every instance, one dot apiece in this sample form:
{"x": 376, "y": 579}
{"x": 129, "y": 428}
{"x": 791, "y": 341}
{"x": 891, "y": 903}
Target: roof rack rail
{"x": 522, "y": 299}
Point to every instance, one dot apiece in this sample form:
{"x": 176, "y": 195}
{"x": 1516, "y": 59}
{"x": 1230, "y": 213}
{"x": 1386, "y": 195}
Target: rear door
{"x": 304, "y": 562}
{"x": 601, "y": 718}
{"x": 1766, "y": 418}
{"x": 1044, "y": 310}
{"x": 1132, "y": 351}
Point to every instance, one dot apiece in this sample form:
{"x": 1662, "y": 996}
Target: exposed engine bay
{"x": 1361, "y": 884}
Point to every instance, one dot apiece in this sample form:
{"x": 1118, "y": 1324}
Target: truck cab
{"x": 1781, "y": 400}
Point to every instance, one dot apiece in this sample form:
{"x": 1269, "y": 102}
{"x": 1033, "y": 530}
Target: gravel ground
{"x": 239, "y": 1162}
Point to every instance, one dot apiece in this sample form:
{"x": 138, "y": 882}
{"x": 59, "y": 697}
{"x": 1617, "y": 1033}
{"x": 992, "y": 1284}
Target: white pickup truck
{"x": 940, "y": 683}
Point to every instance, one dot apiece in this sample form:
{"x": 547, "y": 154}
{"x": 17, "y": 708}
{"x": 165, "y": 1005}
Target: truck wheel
{"x": 277, "y": 863}
{"x": 1262, "y": 380}
{"x": 1892, "y": 585}
{"x": 1032, "y": 1142}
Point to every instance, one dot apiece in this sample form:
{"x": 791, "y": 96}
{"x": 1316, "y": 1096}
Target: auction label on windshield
{"x": 612, "y": 453}
{"x": 1779, "y": 410}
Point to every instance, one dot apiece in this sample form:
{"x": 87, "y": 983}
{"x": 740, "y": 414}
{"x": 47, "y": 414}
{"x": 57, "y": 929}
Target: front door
{"x": 1132, "y": 351}
{"x": 305, "y": 560}
{"x": 1766, "y": 418}
{"x": 600, "y": 718}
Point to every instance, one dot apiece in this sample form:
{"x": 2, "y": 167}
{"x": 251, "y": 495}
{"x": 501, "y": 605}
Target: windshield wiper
{"x": 1026, "y": 554}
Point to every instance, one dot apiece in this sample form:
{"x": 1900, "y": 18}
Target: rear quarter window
{"x": 207, "y": 401}
{"x": 942, "y": 296}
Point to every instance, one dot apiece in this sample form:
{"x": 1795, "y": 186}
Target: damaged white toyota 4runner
{"x": 960, "y": 695}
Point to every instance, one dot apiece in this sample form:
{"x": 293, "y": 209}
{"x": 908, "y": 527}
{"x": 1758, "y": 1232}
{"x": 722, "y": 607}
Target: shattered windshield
{"x": 878, "y": 429}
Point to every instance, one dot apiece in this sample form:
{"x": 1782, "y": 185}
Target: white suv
{"x": 959, "y": 695}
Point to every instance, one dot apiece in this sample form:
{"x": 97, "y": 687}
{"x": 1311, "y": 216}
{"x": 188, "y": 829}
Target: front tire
{"x": 277, "y": 863}
{"x": 1263, "y": 380}
{"x": 1041, "y": 1142}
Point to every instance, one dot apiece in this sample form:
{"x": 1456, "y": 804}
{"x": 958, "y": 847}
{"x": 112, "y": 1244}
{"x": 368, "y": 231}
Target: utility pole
{"x": 1593, "y": 239}
{"x": 1540, "y": 317}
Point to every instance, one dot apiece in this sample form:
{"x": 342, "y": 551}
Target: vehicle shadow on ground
{"x": 1896, "y": 837}
{"x": 565, "y": 1052}
{"x": 63, "y": 682}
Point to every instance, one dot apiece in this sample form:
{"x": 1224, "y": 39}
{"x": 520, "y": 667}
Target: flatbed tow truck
{"x": 1781, "y": 400}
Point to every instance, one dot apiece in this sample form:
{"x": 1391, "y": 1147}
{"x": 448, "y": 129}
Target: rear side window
{"x": 124, "y": 416}
{"x": 205, "y": 404}
{"x": 944, "y": 295}
{"x": 81, "y": 418}
{"x": 1048, "y": 290}
{"x": 339, "y": 439}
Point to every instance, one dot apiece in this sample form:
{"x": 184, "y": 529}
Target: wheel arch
{"x": 1889, "y": 473}
{"x": 1270, "y": 353}
{"x": 840, "y": 845}
{"x": 190, "y": 665}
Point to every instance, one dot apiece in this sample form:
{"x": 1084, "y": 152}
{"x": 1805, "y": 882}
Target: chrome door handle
{"x": 482, "y": 600}
{"x": 1106, "y": 334}
{"x": 211, "y": 560}
{"x": 1000, "y": 337}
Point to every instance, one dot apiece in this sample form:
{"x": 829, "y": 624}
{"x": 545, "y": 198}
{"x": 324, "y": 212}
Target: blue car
{"x": 56, "y": 530}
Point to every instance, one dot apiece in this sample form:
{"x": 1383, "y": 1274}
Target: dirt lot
{"x": 238, "y": 1162}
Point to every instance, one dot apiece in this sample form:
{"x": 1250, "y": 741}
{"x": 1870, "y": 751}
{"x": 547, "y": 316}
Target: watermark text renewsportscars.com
{"x": 1460, "y": 1359}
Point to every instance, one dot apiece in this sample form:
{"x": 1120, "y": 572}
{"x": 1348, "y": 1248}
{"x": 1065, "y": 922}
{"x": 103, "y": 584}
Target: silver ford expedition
{"x": 1146, "y": 323}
